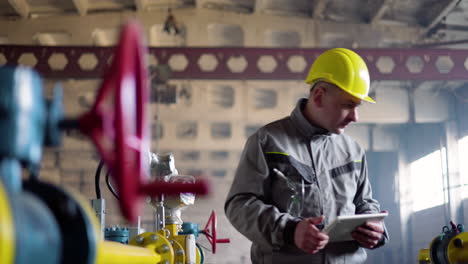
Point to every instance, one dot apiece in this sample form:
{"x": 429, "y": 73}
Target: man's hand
{"x": 308, "y": 237}
{"x": 369, "y": 234}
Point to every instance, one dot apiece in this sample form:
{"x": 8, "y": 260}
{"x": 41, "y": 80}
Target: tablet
{"x": 340, "y": 229}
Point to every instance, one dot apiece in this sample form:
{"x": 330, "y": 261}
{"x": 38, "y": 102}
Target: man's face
{"x": 338, "y": 109}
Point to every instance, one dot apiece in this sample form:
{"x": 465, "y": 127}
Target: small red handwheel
{"x": 211, "y": 233}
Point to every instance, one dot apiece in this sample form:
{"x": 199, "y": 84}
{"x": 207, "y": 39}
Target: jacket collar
{"x": 302, "y": 124}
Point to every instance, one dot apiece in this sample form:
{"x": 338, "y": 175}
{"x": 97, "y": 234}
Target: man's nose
{"x": 353, "y": 115}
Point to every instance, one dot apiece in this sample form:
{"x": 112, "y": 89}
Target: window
{"x": 463, "y": 158}
{"x": 225, "y": 35}
{"x": 219, "y": 173}
{"x": 157, "y": 131}
{"x": 428, "y": 180}
{"x": 222, "y": 96}
{"x": 187, "y": 130}
{"x": 219, "y": 155}
{"x": 194, "y": 172}
{"x": 275, "y": 38}
{"x": 190, "y": 155}
{"x": 265, "y": 98}
{"x": 221, "y": 130}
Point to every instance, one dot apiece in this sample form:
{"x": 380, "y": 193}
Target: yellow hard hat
{"x": 343, "y": 68}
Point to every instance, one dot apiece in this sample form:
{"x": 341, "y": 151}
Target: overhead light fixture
{"x": 170, "y": 25}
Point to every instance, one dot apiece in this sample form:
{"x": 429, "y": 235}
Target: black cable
{"x": 97, "y": 178}
{"x": 111, "y": 188}
{"x": 33, "y": 173}
{"x": 67, "y": 124}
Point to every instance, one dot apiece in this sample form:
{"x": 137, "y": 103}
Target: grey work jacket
{"x": 333, "y": 171}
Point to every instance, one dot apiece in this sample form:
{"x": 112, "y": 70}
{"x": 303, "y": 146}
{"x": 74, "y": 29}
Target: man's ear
{"x": 318, "y": 95}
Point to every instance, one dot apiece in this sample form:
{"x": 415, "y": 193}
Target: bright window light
{"x": 427, "y": 180}
{"x": 463, "y": 165}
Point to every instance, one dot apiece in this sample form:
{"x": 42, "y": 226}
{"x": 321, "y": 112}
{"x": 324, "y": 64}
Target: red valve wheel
{"x": 119, "y": 126}
{"x": 211, "y": 233}
{"x": 117, "y": 122}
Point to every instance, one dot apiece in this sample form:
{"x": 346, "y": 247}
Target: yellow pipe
{"x": 7, "y": 229}
{"x": 117, "y": 253}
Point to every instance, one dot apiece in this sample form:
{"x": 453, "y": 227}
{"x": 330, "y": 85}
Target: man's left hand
{"x": 369, "y": 234}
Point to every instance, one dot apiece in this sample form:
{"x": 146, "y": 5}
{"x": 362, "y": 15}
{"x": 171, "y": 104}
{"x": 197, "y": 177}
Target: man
{"x": 298, "y": 173}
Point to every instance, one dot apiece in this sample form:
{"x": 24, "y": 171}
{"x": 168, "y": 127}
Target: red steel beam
{"x": 384, "y": 64}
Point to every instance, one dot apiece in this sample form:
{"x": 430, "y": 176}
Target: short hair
{"x": 323, "y": 84}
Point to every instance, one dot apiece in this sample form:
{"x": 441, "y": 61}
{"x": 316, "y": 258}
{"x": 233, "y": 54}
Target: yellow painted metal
{"x": 7, "y": 229}
{"x": 157, "y": 243}
{"x": 170, "y": 231}
{"x": 431, "y": 247}
{"x": 423, "y": 256}
{"x": 117, "y": 253}
{"x": 198, "y": 260}
{"x": 457, "y": 250}
{"x": 179, "y": 252}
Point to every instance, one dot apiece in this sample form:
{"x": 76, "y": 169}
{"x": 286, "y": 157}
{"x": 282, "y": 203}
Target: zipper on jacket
{"x": 309, "y": 148}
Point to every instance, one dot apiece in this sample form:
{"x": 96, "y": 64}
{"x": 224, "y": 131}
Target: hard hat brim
{"x": 368, "y": 99}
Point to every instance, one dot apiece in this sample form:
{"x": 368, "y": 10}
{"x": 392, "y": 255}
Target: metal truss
{"x": 240, "y": 63}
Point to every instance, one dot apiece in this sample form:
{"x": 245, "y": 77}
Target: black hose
{"x": 97, "y": 178}
{"x": 67, "y": 124}
{"x": 111, "y": 188}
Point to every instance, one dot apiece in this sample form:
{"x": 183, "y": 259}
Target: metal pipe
{"x": 7, "y": 229}
{"x": 117, "y": 253}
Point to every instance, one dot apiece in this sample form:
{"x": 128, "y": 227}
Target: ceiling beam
{"x": 380, "y": 12}
{"x": 21, "y": 7}
{"x": 319, "y": 8}
{"x": 141, "y": 5}
{"x": 451, "y": 4}
{"x": 250, "y": 57}
{"x": 82, "y": 6}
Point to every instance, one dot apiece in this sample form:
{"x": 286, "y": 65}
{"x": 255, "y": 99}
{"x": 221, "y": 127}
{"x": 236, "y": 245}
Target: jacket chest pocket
{"x": 295, "y": 196}
{"x": 288, "y": 187}
{"x": 290, "y": 182}
{"x": 344, "y": 181}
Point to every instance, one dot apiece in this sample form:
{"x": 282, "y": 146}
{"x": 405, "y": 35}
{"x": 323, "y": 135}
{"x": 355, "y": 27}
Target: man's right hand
{"x": 308, "y": 237}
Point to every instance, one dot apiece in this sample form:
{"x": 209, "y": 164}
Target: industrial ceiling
{"x": 437, "y": 21}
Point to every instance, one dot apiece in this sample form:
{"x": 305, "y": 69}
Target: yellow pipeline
{"x": 117, "y": 253}
{"x": 7, "y": 227}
